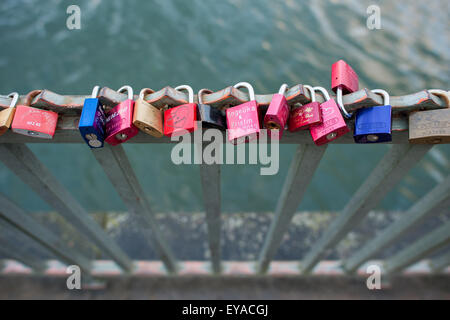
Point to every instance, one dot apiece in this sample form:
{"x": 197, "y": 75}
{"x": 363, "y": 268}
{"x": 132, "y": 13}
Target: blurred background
{"x": 213, "y": 44}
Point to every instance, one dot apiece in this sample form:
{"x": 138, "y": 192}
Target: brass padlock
{"x": 7, "y": 115}
{"x": 147, "y": 117}
{"x": 432, "y": 126}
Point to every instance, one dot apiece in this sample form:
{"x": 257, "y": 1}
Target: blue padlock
{"x": 373, "y": 124}
{"x": 92, "y": 121}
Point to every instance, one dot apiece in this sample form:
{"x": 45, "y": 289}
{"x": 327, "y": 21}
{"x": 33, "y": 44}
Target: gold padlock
{"x": 432, "y": 126}
{"x": 7, "y": 115}
{"x": 147, "y": 117}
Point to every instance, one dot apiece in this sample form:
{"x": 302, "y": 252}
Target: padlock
{"x": 181, "y": 119}
{"x": 7, "y": 115}
{"x": 343, "y": 80}
{"x": 34, "y": 122}
{"x": 209, "y": 116}
{"x": 373, "y": 124}
{"x": 243, "y": 119}
{"x": 431, "y": 126}
{"x": 278, "y": 112}
{"x": 92, "y": 121}
{"x": 333, "y": 124}
{"x": 119, "y": 120}
{"x": 147, "y": 117}
{"x": 307, "y": 115}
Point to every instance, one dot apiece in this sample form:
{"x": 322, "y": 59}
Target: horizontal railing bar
{"x": 231, "y": 96}
{"x": 67, "y": 132}
{"x": 440, "y": 263}
{"x": 24, "y": 223}
{"x": 210, "y": 179}
{"x": 303, "y": 166}
{"x": 118, "y": 169}
{"x": 433, "y": 241}
{"x": 438, "y": 197}
{"x": 22, "y": 161}
{"x": 389, "y": 171}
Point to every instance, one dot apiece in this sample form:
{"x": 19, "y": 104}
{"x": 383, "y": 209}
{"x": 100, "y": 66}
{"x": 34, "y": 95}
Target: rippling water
{"x": 214, "y": 44}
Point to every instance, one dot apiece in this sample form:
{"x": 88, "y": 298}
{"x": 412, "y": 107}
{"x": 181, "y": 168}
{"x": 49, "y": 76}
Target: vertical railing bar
{"x": 38, "y": 266}
{"x": 440, "y": 263}
{"x": 22, "y": 222}
{"x": 21, "y": 160}
{"x": 433, "y": 241}
{"x": 210, "y": 179}
{"x": 118, "y": 169}
{"x": 303, "y": 166}
{"x": 438, "y": 197}
{"x": 389, "y": 171}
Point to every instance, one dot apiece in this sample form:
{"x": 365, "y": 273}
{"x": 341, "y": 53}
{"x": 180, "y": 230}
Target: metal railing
{"x": 396, "y": 163}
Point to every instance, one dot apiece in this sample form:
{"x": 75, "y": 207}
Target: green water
{"x": 215, "y": 44}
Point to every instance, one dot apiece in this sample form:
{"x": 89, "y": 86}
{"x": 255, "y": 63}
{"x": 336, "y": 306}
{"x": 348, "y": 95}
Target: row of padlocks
{"x": 325, "y": 121}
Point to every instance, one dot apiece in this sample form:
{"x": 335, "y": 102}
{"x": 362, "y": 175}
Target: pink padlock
{"x": 333, "y": 124}
{"x": 243, "y": 119}
{"x": 278, "y": 112}
{"x": 343, "y": 80}
{"x": 119, "y": 120}
{"x": 343, "y": 77}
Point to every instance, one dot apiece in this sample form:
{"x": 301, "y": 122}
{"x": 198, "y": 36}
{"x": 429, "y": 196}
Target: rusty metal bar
{"x": 432, "y": 203}
{"x": 210, "y": 178}
{"x": 433, "y": 241}
{"x": 67, "y": 132}
{"x": 306, "y": 160}
{"x": 229, "y": 96}
{"x": 22, "y": 161}
{"x": 389, "y": 171}
{"x": 15, "y": 251}
{"x": 23, "y": 222}
{"x": 118, "y": 169}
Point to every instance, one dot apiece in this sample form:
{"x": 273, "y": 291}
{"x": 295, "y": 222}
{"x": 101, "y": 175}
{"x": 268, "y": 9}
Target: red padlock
{"x": 32, "y": 121}
{"x": 181, "y": 119}
{"x": 333, "y": 124}
{"x": 243, "y": 119}
{"x": 119, "y": 120}
{"x": 278, "y": 112}
{"x": 343, "y": 77}
{"x": 343, "y": 80}
{"x": 307, "y": 115}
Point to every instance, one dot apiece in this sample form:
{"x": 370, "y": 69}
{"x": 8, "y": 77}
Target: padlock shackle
{"x": 341, "y": 104}
{"x": 143, "y": 91}
{"x": 385, "y": 95}
{"x": 311, "y": 91}
{"x": 441, "y": 93}
{"x": 15, "y": 98}
{"x": 128, "y": 89}
{"x": 284, "y": 87}
{"x": 30, "y": 96}
{"x": 200, "y": 95}
{"x": 324, "y": 92}
{"x": 95, "y": 90}
{"x": 251, "y": 91}
{"x": 189, "y": 90}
